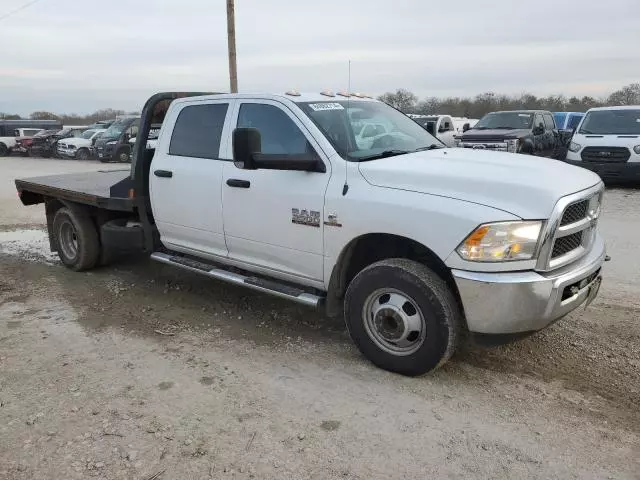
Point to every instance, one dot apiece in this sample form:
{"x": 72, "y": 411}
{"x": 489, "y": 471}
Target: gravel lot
{"x": 138, "y": 369}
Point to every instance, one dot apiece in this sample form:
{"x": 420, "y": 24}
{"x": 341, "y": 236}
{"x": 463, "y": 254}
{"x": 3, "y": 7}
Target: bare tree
{"x": 402, "y": 99}
{"x": 629, "y": 95}
{"x": 9, "y": 116}
{"x": 43, "y": 116}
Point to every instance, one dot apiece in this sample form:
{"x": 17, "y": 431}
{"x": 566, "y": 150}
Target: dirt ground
{"x": 138, "y": 370}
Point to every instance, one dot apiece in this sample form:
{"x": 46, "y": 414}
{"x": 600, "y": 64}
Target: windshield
{"x": 505, "y": 120}
{"x": 114, "y": 131}
{"x": 611, "y": 122}
{"x": 362, "y": 130}
{"x": 64, "y": 132}
{"x": 88, "y": 134}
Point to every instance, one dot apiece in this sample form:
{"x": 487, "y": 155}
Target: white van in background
{"x": 607, "y": 141}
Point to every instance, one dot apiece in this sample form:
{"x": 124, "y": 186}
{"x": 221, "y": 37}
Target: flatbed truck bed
{"x": 105, "y": 189}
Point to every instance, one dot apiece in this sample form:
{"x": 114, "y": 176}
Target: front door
{"x": 186, "y": 177}
{"x": 273, "y": 219}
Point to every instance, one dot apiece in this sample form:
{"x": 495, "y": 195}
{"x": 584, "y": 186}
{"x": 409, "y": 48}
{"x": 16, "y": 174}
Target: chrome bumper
{"x": 515, "y": 302}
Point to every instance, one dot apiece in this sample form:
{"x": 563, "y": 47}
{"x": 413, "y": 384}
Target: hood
{"x": 76, "y": 142}
{"x": 525, "y": 186}
{"x": 494, "y": 133}
{"x": 613, "y": 140}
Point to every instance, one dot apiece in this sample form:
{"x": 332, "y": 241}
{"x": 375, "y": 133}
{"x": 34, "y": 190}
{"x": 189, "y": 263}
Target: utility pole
{"x": 231, "y": 42}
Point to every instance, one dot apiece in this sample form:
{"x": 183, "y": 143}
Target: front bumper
{"x": 66, "y": 153}
{"x": 518, "y": 302}
{"x": 618, "y": 171}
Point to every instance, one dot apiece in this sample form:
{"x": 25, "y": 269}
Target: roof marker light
{"x": 343, "y": 94}
{"x": 293, "y": 93}
{"x": 327, "y": 93}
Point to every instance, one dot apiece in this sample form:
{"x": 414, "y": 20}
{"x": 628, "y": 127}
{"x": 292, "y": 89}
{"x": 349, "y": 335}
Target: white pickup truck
{"x": 414, "y": 242}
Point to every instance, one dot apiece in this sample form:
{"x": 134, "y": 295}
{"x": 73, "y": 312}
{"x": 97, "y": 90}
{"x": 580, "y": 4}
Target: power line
{"x": 26, "y": 5}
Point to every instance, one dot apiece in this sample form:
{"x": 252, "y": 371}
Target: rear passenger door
{"x": 186, "y": 177}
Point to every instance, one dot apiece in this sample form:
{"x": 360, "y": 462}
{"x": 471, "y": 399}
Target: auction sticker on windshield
{"x": 317, "y": 107}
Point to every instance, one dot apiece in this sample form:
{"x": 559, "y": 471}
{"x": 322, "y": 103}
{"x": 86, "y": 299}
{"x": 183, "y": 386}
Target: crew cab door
{"x": 273, "y": 219}
{"x": 186, "y": 177}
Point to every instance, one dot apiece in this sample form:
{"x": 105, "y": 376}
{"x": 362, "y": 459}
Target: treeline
{"x": 73, "y": 118}
{"x": 484, "y": 103}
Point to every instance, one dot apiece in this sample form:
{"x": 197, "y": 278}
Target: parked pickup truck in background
{"x": 113, "y": 145}
{"x": 79, "y": 147}
{"x": 531, "y": 132}
{"x": 607, "y": 141}
{"x": 24, "y": 138}
{"x": 440, "y": 126}
{"x": 411, "y": 241}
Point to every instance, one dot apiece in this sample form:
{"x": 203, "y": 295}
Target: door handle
{"x": 163, "y": 173}
{"x": 234, "y": 182}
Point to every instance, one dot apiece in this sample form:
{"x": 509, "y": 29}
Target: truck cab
{"x": 412, "y": 242}
{"x": 440, "y": 126}
{"x": 113, "y": 145}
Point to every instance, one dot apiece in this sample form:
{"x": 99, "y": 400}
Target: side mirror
{"x": 466, "y": 127}
{"x": 538, "y": 130}
{"x": 246, "y": 142}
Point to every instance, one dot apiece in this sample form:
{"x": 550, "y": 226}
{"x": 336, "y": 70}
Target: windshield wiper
{"x": 433, "y": 146}
{"x": 385, "y": 154}
{"x": 505, "y": 128}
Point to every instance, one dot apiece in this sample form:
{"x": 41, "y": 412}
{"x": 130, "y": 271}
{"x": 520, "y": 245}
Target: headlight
{"x": 574, "y": 147}
{"x": 637, "y": 149}
{"x": 512, "y": 145}
{"x": 112, "y": 142}
{"x": 502, "y": 241}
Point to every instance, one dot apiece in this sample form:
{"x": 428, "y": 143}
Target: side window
{"x": 548, "y": 122}
{"x": 133, "y": 131}
{"x": 279, "y": 134}
{"x": 538, "y": 121}
{"x": 198, "y": 130}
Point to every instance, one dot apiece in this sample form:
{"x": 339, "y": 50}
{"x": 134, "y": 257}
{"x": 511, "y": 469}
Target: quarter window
{"x": 198, "y": 131}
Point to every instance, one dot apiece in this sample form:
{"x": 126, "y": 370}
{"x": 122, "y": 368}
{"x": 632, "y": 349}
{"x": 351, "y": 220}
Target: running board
{"x": 254, "y": 283}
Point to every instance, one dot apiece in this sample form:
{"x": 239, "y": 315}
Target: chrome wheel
{"x": 68, "y": 238}
{"x": 394, "y": 322}
{"x": 123, "y": 157}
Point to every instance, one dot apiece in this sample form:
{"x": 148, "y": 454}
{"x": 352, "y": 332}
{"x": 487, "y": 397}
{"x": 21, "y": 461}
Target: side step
{"x": 255, "y": 283}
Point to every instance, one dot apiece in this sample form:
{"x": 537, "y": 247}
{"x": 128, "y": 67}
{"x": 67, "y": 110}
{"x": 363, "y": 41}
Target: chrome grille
{"x": 571, "y": 229}
{"x": 575, "y": 212}
{"x": 564, "y": 245}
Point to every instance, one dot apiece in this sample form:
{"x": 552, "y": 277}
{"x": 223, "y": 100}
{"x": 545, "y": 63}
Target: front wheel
{"x": 402, "y": 316}
{"x": 82, "y": 154}
{"x": 123, "y": 156}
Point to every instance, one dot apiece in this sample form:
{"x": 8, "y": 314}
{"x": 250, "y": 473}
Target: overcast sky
{"x": 79, "y": 56}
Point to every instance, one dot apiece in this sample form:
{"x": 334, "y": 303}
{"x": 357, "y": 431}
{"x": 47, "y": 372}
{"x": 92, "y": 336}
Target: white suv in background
{"x": 607, "y": 141}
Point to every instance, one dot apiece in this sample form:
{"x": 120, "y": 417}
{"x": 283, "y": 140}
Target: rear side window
{"x": 548, "y": 122}
{"x": 198, "y": 130}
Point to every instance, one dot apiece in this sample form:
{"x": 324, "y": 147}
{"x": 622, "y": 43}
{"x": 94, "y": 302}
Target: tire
{"x": 402, "y": 299}
{"x": 82, "y": 154}
{"x": 122, "y": 156}
{"x": 77, "y": 240}
{"x": 4, "y": 151}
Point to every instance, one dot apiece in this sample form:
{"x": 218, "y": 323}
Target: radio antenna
{"x": 345, "y": 188}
